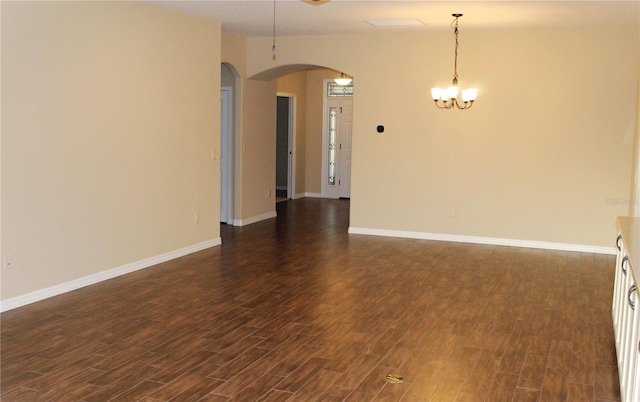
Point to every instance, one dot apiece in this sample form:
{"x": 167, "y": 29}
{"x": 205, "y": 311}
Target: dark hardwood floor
{"x": 294, "y": 308}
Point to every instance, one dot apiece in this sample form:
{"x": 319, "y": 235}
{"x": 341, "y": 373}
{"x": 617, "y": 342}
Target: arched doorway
{"x": 322, "y": 166}
{"x": 255, "y": 138}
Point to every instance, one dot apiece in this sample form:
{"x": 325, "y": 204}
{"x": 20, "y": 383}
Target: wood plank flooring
{"x": 294, "y": 308}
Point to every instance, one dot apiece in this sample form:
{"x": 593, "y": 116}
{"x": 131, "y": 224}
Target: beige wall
{"x": 255, "y": 136}
{"x": 109, "y": 120}
{"x": 537, "y": 158}
{"x": 234, "y": 52}
{"x": 258, "y": 148}
{"x": 634, "y": 197}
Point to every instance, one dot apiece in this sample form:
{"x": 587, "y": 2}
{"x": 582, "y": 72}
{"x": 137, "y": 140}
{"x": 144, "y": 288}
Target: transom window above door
{"x": 335, "y": 90}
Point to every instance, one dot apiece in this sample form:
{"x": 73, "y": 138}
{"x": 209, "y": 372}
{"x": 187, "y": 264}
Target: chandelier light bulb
{"x": 469, "y": 95}
{"x": 453, "y": 92}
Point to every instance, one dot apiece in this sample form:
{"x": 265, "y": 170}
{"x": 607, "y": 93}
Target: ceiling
{"x": 298, "y": 17}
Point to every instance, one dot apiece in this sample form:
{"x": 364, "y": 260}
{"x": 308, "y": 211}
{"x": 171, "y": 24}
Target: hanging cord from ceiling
{"x": 273, "y": 47}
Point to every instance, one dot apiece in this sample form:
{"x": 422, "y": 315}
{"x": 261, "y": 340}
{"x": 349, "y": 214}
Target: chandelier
{"x": 343, "y": 80}
{"x": 446, "y": 98}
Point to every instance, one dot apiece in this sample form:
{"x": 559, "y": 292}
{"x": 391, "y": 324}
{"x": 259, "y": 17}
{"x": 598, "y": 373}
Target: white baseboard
{"x": 485, "y": 240}
{"x": 46, "y": 293}
{"x": 254, "y": 219}
{"x": 306, "y": 195}
{"x": 311, "y": 195}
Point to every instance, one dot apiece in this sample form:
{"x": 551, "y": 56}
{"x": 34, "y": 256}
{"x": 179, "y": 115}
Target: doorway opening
{"x": 285, "y": 146}
{"x": 227, "y": 149}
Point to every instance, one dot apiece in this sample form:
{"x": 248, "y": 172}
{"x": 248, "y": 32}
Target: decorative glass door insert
{"x": 333, "y": 127}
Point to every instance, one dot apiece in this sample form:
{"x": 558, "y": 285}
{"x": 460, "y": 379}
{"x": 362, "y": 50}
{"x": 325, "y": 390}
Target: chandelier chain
{"x": 455, "y": 61}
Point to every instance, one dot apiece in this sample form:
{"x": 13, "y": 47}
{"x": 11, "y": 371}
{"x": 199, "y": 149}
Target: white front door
{"x": 344, "y": 149}
{"x": 337, "y": 148}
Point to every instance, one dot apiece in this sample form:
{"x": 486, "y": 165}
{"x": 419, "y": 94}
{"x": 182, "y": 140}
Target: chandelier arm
{"x": 445, "y": 105}
{"x": 466, "y": 105}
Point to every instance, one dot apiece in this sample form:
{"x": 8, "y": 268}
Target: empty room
{"x": 320, "y": 200}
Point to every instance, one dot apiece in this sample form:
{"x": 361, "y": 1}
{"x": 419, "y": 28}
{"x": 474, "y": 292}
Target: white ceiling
{"x": 295, "y": 17}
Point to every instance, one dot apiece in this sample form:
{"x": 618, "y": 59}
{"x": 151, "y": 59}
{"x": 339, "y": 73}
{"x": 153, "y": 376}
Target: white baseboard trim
{"x": 254, "y": 219}
{"x": 484, "y": 240}
{"x": 306, "y": 195}
{"x": 56, "y": 290}
{"x": 312, "y": 195}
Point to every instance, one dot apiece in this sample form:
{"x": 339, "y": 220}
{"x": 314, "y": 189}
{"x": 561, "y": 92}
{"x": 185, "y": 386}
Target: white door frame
{"x": 226, "y": 155}
{"x": 291, "y": 152}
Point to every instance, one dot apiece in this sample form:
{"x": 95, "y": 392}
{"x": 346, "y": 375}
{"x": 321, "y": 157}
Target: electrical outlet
{"x": 269, "y": 193}
{"x": 196, "y": 218}
{"x": 452, "y": 212}
{"x": 7, "y": 264}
